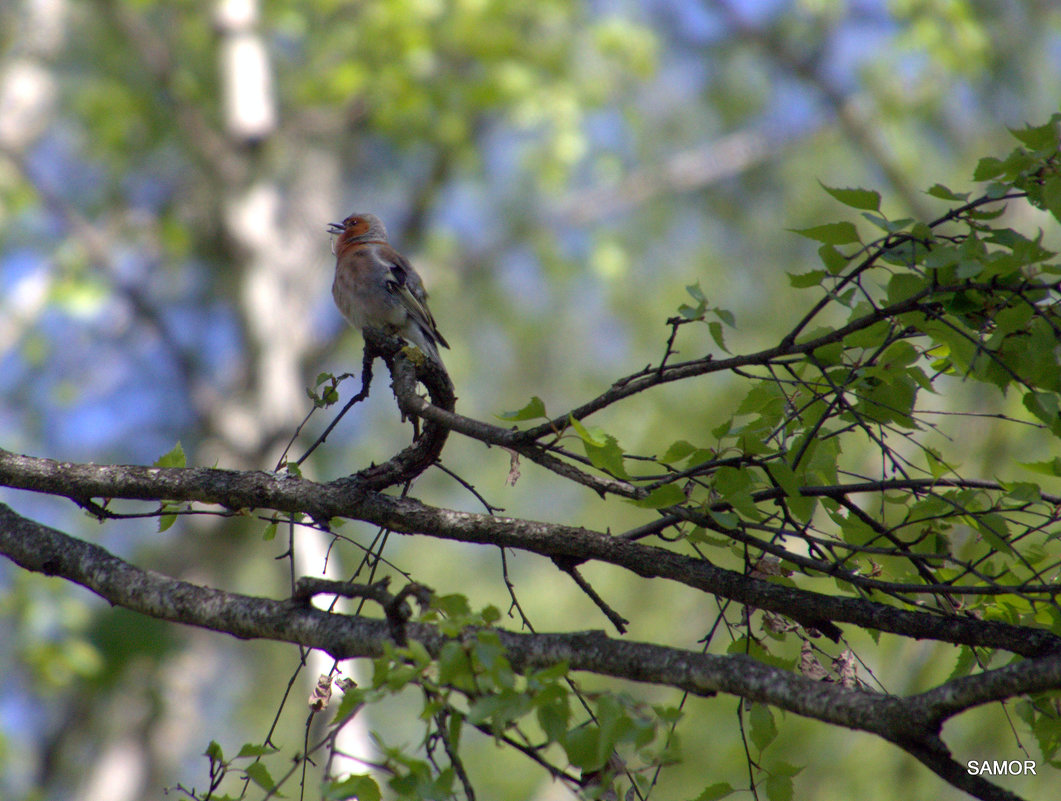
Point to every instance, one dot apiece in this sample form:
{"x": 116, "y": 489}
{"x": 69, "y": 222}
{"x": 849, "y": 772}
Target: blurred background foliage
{"x": 558, "y": 171}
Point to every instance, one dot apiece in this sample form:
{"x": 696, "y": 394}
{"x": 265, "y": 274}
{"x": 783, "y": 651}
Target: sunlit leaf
{"x": 172, "y": 458}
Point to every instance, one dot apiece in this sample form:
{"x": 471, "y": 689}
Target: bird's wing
{"x": 406, "y": 286}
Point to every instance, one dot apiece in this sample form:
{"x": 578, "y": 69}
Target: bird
{"x": 376, "y": 287}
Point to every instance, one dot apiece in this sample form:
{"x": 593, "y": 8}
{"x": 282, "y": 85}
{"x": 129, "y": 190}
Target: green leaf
{"x": 677, "y": 451}
{"x": 995, "y": 530}
{"x": 175, "y": 457}
{"x": 988, "y": 168}
{"x": 456, "y": 726}
{"x": 805, "y": 280}
{"x": 583, "y": 748}
{"x": 533, "y": 410}
{"x": 1023, "y": 491}
{"x": 213, "y": 752}
{"x": 936, "y": 466}
{"x": 499, "y": 709}
{"x": 781, "y": 768}
{"x": 1050, "y": 468}
{"x": 168, "y": 516}
{"x": 549, "y": 674}
{"x": 943, "y": 193}
{"x": 1052, "y": 195}
{"x": 360, "y": 787}
{"x": 596, "y": 437}
{"x": 452, "y": 605}
{"x": 969, "y": 268}
{"x": 922, "y": 231}
{"x": 884, "y": 224}
{"x": 418, "y": 653}
{"x": 616, "y": 723}
{"x": 831, "y": 354}
{"x": 726, "y": 520}
{"x": 964, "y": 664}
{"x": 997, "y": 189}
{"x": 779, "y": 788}
{"x": 1044, "y": 723}
{"x": 553, "y": 712}
{"x": 726, "y": 316}
{"x": 255, "y": 750}
{"x": 785, "y": 478}
{"x": 862, "y": 199}
{"x": 735, "y": 487}
{"x": 715, "y": 328}
{"x": 895, "y": 226}
{"x": 1014, "y": 318}
{"x": 887, "y": 399}
{"x": 602, "y": 449}
{"x": 696, "y": 293}
{"x": 761, "y": 396}
{"x": 1037, "y": 137}
{"x": 608, "y": 458}
{"x": 667, "y": 495}
{"x": 350, "y": 704}
{"x": 716, "y": 791}
{"x": 903, "y": 286}
{"x": 898, "y": 355}
{"x": 1043, "y": 405}
{"x": 833, "y": 259}
{"x": 762, "y": 731}
{"x": 691, "y": 313}
{"x": 855, "y": 531}
{"x": 779, "y": 785}
{"x": 801, "y": 506}
{"x": 839, "y": 233}
{"x": 694, "y": 312}
{"x": 259, "y": 774}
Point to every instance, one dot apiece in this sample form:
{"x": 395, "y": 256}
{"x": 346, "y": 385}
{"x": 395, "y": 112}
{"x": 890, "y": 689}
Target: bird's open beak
{"x": 335, "y": 228}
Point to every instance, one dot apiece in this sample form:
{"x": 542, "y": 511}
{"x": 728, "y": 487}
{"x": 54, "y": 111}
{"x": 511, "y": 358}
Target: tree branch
{"x": 912, "y": 722}
{"x": 406, "y": 373}
{"x": 347, "y": 498}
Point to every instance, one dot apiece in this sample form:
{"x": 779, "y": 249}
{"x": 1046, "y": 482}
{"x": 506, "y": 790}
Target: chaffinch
{"x": 376, "y": 287}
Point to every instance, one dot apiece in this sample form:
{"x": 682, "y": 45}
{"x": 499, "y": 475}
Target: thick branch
{"x": 913, "y": 722}
{"x": 935, "y": 756}
{"x": 347, "y": 498}
{"x": 958, "y": 695}
{"x": 405, "y": 375}
{"x": 42, "y": 549}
